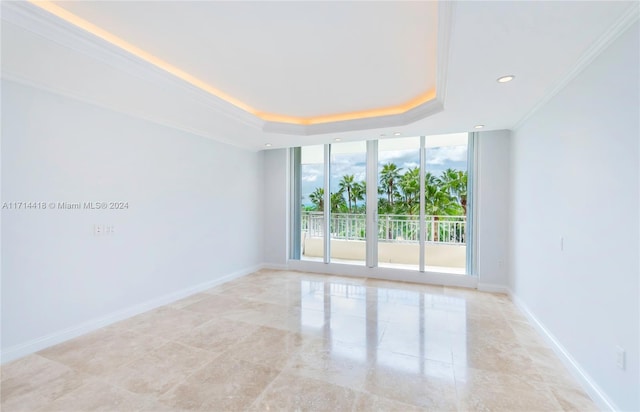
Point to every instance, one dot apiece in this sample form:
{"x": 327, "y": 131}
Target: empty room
{"x": 320, "y": 206}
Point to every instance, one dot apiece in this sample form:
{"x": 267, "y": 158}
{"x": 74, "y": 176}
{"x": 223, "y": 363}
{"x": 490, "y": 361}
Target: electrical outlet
{"x": 620, "y": 357}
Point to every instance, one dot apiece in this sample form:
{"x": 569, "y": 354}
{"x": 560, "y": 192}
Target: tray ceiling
{"x": 291, "y": 62}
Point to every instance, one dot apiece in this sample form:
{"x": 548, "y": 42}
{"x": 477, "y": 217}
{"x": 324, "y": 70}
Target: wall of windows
{"x": 397, "y": 203}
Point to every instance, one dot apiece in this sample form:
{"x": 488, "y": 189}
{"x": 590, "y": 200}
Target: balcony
{"x": 398, "y": 240}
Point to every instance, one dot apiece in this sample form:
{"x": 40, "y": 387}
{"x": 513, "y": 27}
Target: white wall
{"x": 575, "y": 174}
{"x": 194, "y": 217}
{"x": 276, "y": 206}
{"x": 492, "y": 209}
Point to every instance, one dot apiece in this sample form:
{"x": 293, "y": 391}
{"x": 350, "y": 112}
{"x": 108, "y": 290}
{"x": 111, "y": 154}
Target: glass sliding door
{"x": 311, "y": 181}
{"x": 399, "y": 203}
{"x": 446, "y": 205}
{"x": 348, "y": 202}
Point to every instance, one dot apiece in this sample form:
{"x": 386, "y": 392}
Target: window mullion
{"x": 372, "y": 203}
{"x": 423, "y": 223}
{"x": 327, "y": 203}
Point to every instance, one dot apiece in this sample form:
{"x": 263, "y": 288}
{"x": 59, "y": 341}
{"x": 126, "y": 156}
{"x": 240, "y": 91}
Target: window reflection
{"x": 397, "y": 329}
{"x": 348, "y": 299}
{"x": 312, "y": 305}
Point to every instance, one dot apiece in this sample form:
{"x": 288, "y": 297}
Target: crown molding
{"x": 46, "y": 25}
{"x": 446, "y": 20}
{"x": 626, "y": 20}
{"x": 417, "y": 113}
{"x": 21, "y": 80}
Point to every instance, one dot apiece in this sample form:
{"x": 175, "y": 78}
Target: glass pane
{"x": 399, "y": 203}
{"x": 348, "y": 208}
{"x": 446, "y": 203}
{"x": 311, "y": 215}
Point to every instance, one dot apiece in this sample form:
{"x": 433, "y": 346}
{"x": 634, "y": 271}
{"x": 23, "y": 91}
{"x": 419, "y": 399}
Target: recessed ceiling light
{"x": 267, "y": 144}
{"x": 478, "y": 126}
{"x": 337, "y": 139}
{"x": 397, "y": 134}
{"x": 506, "y": 79}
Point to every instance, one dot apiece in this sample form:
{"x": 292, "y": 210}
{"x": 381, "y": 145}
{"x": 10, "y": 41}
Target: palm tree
{"x": 388, "y": 177}
{"x": 347, "y": 184}
{"x": 437, "y": 202}
{"x": 430, "y": 179}
{"x": 410, "y": 187}
{"x": 317, "y": 198}
{"x": 358, "y": 192}
{"x": 337, "y": 201}
{"x": 455, "y": 182}
{"x": 384, "y": 207}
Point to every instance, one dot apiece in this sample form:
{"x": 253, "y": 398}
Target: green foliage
{"x": 338, "y": 204}
{"x": 347, "y": 185}
{"x": 455, "y": 183}
{"x": 410, "y": 191}
{"x": 389, "y": 176}
{"x": 445, "y": 195}
{"x": 317, "y": 198}
{"x": 358, "y": 192}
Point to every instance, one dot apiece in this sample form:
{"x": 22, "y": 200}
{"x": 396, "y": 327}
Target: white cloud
{"x": 399, "y": 157}
{"x": 441, "y": 155}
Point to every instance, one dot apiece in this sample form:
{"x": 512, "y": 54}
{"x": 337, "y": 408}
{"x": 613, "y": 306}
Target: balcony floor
{"x": 437, "y": 269}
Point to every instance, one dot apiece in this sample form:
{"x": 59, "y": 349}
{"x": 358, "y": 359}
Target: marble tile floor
{"x": 284, "y": 341}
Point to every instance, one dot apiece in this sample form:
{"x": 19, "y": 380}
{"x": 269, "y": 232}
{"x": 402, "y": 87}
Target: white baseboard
{"x": 493, "y": 288}
{"x": 601, "y": 399}
{"x": 35, "y": 345}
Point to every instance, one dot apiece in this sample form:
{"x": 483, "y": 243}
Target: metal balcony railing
{"x": 391, "y": 228}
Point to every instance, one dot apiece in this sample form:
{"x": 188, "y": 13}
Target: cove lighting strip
{"x": 181, "y": 74}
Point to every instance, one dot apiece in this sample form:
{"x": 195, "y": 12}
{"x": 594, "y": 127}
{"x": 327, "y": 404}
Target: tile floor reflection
{"x": 278, "y": 340}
